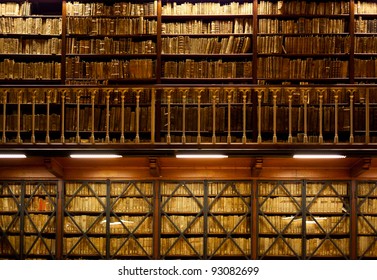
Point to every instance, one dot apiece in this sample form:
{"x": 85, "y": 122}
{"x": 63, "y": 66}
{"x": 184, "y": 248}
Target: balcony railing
{"x": 182, "y": 115}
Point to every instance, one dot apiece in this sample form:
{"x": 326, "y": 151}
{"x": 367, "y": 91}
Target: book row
{"x": 313, "y": 117}
{"x": 315, "y": 247}
{"x": 98, "y": 224}
{"x": 367, "y": 205}
{"x": 84, "y": 121}
{"x": 312, "y": 97}
{"x": 190, "y": 96}
{"x": 83, "y": 96}
{"x": 142, "y": 246}
{"x": 214, "y": 189}
{"x": 40, "y": 204}
{"x": 366, "y": 25}
{"x": 116, "y": 69}
{"x": 173, "y": 224}
{"x": 207, "y": 8}
{"x": 188, "y": 45}
{"x": 207, "y": 121}
{"x": 303, "y": 45}
{"x": 367, "y": 246}
{"x": 228, "y": 247}
{"x": 303, "y": 26}
{"x": 207, "y": 69}
{"x": 37, "y": 122}
{"x": 132, "y": 205}
{"x": 236, "y": 26}
{"x": 295, "y": 189}
{"x": 365, "y": 44}
{"x": 117, "y": 9}
{"x": 15, "y": 189}
{"x": 294, "y": 225}
{"x": 303, "y": 7}
{"x": 12, "y": 70}
{"x": 229, "y": 205}
{"x": 367, "y": 189}
{"x": 35, "y": 223}
{"x": 365, "y": 68}
{"x": 287, "y": 68}
{"x": 15, "y": 9}
{"x": 181, "y": 246}
{"x": 32, "y": 25}
{"x": 363, "y": 7}
{"x": 30, "y": 46}
{"x": 111, "y": 26}
{"x": 116, "y": 189}
{"x": 110, "y": 46}
{"x": 293, "y": 205}
{"x": 366, "y": 224}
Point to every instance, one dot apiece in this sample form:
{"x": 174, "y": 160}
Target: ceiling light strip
{"x": 318, "y": 156}
{"x": 95, "y": 156}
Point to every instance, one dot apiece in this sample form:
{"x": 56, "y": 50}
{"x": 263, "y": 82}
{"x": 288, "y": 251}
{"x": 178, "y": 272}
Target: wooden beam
{"x": 154, "y": 167}
{"x": 360, "y": 167}
{"x": 257, "y": 167}
{"x": 54, "y": 167}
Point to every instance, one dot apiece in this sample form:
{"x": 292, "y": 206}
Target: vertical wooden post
{"x": 62, "y": 138}
{"x": 229, "y": 94}
{"x": 168, "y": 137}
{"x": 259, "y": 92}
{"x": 290, "y": 94}
{"x": 153, "y": 115}
{"x": 336, "y": 98}
{"x": 33, "y": 96}
{"x": 306, "y": 101}
{"x": 244, "y": 100}
{"x": 48, "y": 117}
{"x": 199, "y": 140}
{"x": 351, "y": 93}
{"x": 321, "y": 92}
{"x": 4, "y": 138}
{"x": 123, "y": 93}
{"x": 214, "y": 96}
{"x": 19, "y": 100}
{"x": 78, "y": 116}
{"x": 137, "y": 138}
{"x": 93, "y": 97}
{"x": 184, "y": 97}
{"x": 274, "y": 119}
{"x": 107, "y": 138}
{"x": 367, "y": 129}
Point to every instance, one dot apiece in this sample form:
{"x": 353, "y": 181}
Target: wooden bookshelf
{"x": 28, "y": 219}
{"x": 318, "y": 228}
{"x": 366, "y": 229}
{"x": 108, "y": 220}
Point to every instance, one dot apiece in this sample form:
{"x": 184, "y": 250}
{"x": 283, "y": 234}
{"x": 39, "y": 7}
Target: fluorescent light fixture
{"x": 12, "y": 156}
{"x": 318, "y": 156}
{"x": 95, "y": 156}
{"x": 200, "y": 156}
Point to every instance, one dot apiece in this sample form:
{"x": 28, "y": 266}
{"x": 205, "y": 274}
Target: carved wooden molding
{"x": 360, "y": 167}
{"x": 257, "y": 167}
{"x": 54, "y": 167}
{"x": 154, "y": 167}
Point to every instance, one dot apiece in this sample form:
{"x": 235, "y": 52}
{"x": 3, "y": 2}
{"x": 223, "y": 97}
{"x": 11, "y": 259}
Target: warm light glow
{"x": 95, "y": 156}
{"x": 303, "y": 156}
{"x": 201, "y": 156}
{"x": 118, "y": 223}
{"x": 12, "y": 156}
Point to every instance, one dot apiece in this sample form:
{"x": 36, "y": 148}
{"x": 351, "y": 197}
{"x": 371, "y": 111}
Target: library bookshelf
{"x": 192, "y": 210}
{"x": 257, "y": 80}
